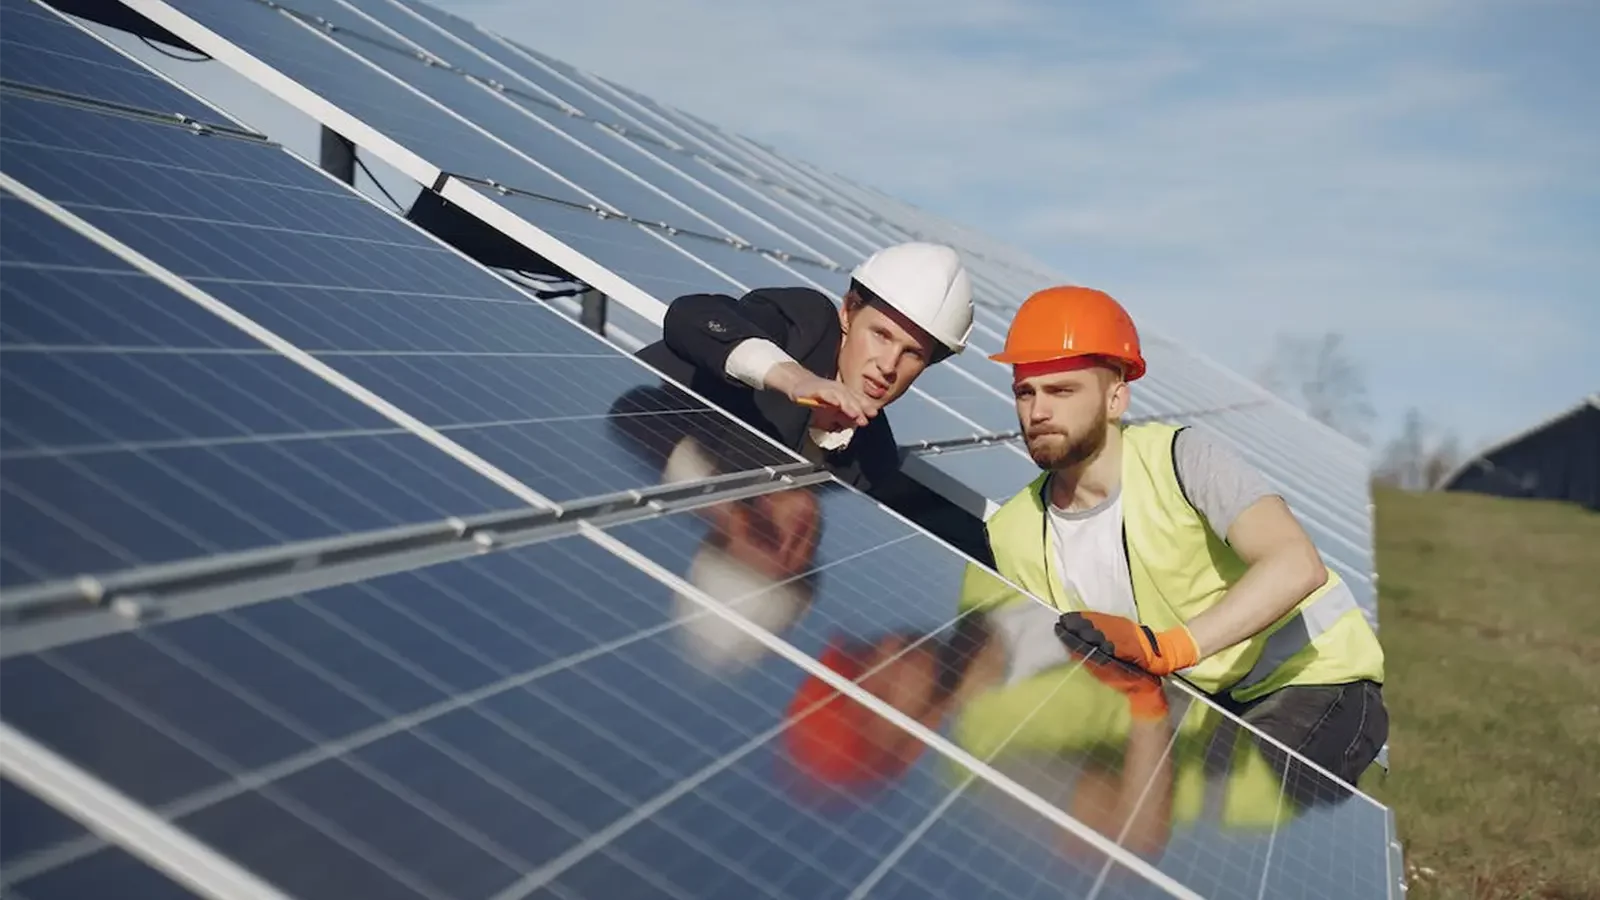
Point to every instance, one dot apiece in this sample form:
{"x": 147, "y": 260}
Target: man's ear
{"x": 1120, "y": 395}
{"x": 844, "y": 311}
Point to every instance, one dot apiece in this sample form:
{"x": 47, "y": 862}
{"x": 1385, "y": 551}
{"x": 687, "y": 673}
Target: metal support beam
{"x": 593, "y": 313}
{"x": 338, "y": 156}
{"x": 42, "y": 616}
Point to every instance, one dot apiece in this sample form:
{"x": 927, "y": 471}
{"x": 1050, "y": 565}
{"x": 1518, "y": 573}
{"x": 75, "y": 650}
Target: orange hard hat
{"x": 831, "y": 743}
{"x": 1069, "y": 322}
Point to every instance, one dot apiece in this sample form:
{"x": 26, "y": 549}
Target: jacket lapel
{"x": 789, "y": 420}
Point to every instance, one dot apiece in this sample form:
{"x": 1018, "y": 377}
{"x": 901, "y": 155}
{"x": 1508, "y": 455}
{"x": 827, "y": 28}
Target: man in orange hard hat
{"x": 1163, "y": 548}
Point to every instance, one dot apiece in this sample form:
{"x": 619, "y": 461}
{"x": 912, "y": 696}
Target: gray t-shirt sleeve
{"x": 1217, "y": 481}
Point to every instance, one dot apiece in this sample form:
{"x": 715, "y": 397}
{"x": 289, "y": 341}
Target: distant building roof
{"x": 1556, "y": 459}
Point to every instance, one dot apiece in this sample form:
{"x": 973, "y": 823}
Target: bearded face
{"x": 1065, "y": 414}
{"x": 1056, "y": 446}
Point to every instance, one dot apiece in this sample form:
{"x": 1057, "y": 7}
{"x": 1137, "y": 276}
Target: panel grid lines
{"x": 892, "y": 859}
{"x": 51, "y": 859}
{"x": 506, "y": 93}
{"x": 410, "y": 721}
{"x": 223, "y": 415}
{"x": 345, "y": 839}
{"x": 929, "y": 738}
{"x": 298, "y": 356}
{"x": 800, "y": 854}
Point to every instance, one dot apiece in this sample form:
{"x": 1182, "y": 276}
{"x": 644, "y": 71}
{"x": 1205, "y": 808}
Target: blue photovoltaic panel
{"x": 452, "y": 730}
{"x": 995, "y": 472}
{"x": 30, "y": 825}
{"x": 282, "y": 43}
{"x": 664, "y": 267}
{"x": 487, "y": 59}
{"x": 375, "y": 298}
{"x": 456, "y": 730}
{"x": 39, "y": 49}
{"x": 138, "y": 428}
{"x": 979, "y": 400}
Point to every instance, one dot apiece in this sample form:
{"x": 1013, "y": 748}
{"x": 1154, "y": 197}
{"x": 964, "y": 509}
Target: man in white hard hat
{"x": 816, "y": 376}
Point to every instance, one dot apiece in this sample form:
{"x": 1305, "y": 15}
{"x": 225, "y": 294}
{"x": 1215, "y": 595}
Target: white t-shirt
{"x": 1089, "y": 557}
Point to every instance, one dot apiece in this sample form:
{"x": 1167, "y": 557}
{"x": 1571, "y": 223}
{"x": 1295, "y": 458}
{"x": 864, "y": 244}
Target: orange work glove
{"x": 1146, "y": 700}
{"x": 1159, "y": 653}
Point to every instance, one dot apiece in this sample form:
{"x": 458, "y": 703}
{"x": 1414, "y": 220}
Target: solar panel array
{"x": 335, "y": 564}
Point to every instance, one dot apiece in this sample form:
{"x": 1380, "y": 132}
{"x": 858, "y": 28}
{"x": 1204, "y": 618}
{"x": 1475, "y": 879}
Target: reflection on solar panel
{"x": 334, "y": 564}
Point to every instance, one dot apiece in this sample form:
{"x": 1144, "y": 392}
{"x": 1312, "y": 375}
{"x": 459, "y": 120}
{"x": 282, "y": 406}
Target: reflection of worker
{"x": 758, "y": 555}
{"x": 757, "y": 558}
{"x": 1096, "y": 737}
{"x": 1166, "y": 550}
{"x": 1082, "y": 730}
{"x": 817, "y": 377}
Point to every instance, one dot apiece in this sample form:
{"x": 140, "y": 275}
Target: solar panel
{"x": 461, "y": 350}
{"x": 536, "y": 91}
{"x": 391, "y": 743}
{"x": 138, "y": 430}
{"x": 599, "y": 673}
{"x": 39, "y": 43}
{"x": 523, "y": 153}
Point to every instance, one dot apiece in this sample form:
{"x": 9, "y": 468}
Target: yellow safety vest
{"x": 1179, "y": 569}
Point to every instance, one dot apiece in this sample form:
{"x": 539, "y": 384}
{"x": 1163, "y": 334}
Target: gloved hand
{"x": 1159, "y": 653}
{"x": 1146, "y": 700}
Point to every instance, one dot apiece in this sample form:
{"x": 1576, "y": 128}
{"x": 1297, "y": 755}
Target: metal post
{"x": 593, "y": 313}
{"x": 338, "y": 156}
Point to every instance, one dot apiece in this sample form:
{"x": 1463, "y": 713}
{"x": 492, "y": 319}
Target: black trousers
{"x": 1340, "y": 727}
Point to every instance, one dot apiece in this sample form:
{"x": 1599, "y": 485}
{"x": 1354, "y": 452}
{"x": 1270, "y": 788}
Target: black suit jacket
{"x": 700, "y": 330}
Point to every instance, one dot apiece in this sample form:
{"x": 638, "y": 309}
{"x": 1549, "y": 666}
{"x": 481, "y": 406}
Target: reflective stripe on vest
{"x": 1305, "y": 626}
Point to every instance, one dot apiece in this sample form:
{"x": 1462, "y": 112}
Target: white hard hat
{"x": 927, "y": 284}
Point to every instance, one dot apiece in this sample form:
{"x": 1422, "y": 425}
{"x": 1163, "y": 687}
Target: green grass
{"x": 1490, "y": 614}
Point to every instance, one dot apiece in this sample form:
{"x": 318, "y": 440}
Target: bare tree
{"x": 1418, "y": 456}
{"x": 1316, "y": 373}
{"x": 1400, "y": 464}
{"x": 1444, "y": 456}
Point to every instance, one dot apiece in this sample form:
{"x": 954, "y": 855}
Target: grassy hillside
{"x": 1490, "y": 613}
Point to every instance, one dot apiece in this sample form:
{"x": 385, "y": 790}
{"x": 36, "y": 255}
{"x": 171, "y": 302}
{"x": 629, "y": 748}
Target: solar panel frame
{"x": 134, "y": 828}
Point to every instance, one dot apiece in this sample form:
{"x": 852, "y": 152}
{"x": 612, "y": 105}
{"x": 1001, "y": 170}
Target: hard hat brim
{"x": 1132, "y": 368}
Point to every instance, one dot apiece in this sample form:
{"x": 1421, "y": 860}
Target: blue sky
{"x": 1422, "y": 177}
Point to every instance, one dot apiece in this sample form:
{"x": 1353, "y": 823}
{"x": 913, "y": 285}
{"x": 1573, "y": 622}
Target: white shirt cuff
{"x": 752, "y": 359}
{"x": 831, "y": 440}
